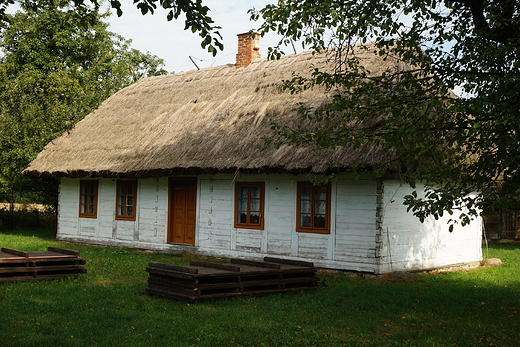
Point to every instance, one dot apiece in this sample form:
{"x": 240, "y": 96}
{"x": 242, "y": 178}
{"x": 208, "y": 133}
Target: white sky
{"x": 168, "y": 40}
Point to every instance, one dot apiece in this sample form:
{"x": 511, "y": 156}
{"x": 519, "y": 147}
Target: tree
{"x": 54, "y": 70}
{"x": 195, "y": 14}
{"x": 458, "y": 145}
{"x": 143, "y": 65}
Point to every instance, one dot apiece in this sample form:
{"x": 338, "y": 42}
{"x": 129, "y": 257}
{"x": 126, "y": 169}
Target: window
{"x": 249, "y": 205}
{"x": 88, "y": 197}
{"x": 125, "y": 200}
{"x": 313, "y": 212}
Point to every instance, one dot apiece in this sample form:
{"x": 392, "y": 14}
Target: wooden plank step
{"x": 169, "y": 289}
{"x": 177, "y": 268}
{"x": 169, "y": 273}
{"x": 15, "y": 252}
{"x": 260, "y": 277}
{"x": 191, "y": 298}
{"x": 207, "y": 278}
{"x": 289, "y": 262}
{"x": 192, "y": 285}
{"x": 263, "y": 291}
{"x": 40, "y": 268}
{"x": 53, "y": 263}
{"x": 260, "y": 264}
{"x": 195, "y": 292}
{"x": 63, "y": 251}
{"x": 44, "y": 261}
{"x": 237, "y": 282}
{"x": 219, "y": 266}
{"x": 172, "y": 281}
{"x": 248, "y": 287}
{"x": 35, "y": 256}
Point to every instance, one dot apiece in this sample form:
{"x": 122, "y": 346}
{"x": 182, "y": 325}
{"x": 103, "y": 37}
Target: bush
{"x": 27, "y": 216}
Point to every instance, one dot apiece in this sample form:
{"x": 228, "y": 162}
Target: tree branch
{"x": 503, "y": 30}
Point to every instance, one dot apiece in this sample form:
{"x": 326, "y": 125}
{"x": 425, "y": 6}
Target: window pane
{"x": 130, "y": 200}
{"x": 242, "y": 192}
{"x": 254, "y": 218}
{"x": 321, "y": 193}
{"x": 255, "y": 192}
{"x": 305, "y": 207}
{"x": 121, "y": 189}
{"x": 320, "y": 207}
{"x": 305, "y": 193}
{"x": 242, "y": 205}
{"x": 242, "y": 217}
{"x": 87, "y": 199}
{"x": 319, "y": 221}
{"x": 121, "y": 200}
{"x": 129, "y": 211}
{"x": 120, "y": 210}
{"x": 249, "y": 205}
{"x": 255, "y": 205}
{"x": 305, "y": 220}
{"x": 130, "y": 189}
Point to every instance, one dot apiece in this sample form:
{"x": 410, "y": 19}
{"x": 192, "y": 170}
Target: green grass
{"x": 108, "y": 307}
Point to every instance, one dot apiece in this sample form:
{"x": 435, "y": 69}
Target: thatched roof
{"x": 200, "y": 121}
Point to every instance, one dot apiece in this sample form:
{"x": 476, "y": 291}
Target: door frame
{"x": 170, "y": 212}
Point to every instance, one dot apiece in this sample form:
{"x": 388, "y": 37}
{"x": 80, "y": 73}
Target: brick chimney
{"x": 248, "y": 49}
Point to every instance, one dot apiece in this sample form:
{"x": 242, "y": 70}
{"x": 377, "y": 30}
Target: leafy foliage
{"x": 195, "y": 14}
{"x": 458, "y": 145}
{"x": 54, "y": 70}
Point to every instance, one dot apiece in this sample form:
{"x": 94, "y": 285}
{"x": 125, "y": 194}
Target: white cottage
{"x": 178, "y": 163}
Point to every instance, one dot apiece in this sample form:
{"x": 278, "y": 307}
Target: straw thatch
{"x": 201, "y": 121}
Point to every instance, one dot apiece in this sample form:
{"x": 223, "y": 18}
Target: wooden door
{"x": 181, "y": 214}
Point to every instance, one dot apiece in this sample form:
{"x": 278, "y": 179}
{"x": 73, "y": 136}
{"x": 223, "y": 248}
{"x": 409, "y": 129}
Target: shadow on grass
{"x": 44, "y": 234}
{"x": 108, "y": 307}
{"x": 74, "y": 312}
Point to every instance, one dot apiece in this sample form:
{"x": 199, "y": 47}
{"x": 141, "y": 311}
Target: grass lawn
{"x": 108, "y": 307}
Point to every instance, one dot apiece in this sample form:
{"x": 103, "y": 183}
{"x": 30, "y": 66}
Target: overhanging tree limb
{"x": 196, "y": 15}
{"x": 457, "y": 144}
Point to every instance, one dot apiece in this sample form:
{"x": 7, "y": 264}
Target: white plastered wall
{"x": 408, "y": 244}
{"x": 370, "y": 229}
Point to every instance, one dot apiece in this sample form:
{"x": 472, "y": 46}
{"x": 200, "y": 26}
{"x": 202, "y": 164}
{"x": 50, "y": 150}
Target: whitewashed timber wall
{"x": 407, "y": 244}
{"x": 351, "y": 243}
{"x": 148, "y": 228}
{"x": 363, "y": 237}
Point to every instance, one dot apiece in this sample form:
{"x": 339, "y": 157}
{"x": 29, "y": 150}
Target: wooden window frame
{"x": 83, "y": 206}
{"x": 248, "y": 224}
{"x": 312, "y": 228}
{"x": 125, "y": 195}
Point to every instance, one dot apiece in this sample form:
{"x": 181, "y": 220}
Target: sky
{"x": 168, "y": 40}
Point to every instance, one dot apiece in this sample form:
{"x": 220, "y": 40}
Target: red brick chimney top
{"x": 248, "y": 49}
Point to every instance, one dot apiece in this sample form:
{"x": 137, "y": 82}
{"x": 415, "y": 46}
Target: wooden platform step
{"x": 54, "y": 263}
{"x": 207, "y": 280}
